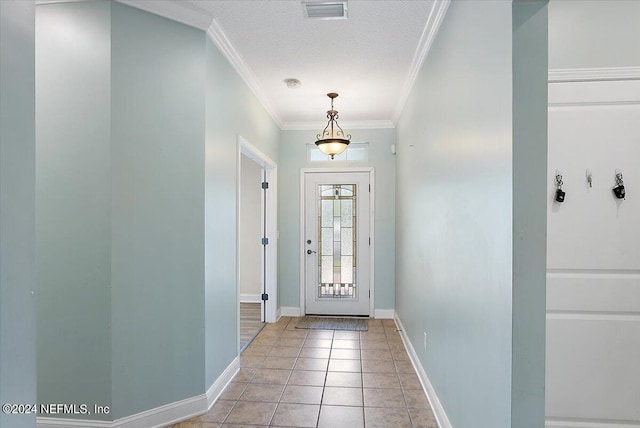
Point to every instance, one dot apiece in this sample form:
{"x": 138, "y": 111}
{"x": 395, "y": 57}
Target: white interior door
{"x": 337, "y": 243}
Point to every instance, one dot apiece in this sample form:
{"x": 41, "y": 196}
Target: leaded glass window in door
{"x": 337, "y": 241}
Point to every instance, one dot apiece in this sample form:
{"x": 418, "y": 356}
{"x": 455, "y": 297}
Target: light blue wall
{"x": 454, "y": 214}
{"x": 231, "y": 111}
{"x": 592, "y": 34}
{"x": 157, "y": 155}
{"x": 293, "y": 147}
{"x": 471, "y": 213}
{"x": 138, "y": 118}
{"x": 530, "y": 71}
{"x": 73, "y": 185}
{"x": 17, "y": 210}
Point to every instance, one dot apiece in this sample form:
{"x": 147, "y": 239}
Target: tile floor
{"x": 322, "y": 378}
{"x": 250, "y": 324}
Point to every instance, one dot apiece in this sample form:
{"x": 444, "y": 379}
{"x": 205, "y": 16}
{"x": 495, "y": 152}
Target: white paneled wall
{"x": 593, "y": 258}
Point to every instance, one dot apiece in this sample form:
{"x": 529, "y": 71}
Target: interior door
{"x": 336, "y": 243}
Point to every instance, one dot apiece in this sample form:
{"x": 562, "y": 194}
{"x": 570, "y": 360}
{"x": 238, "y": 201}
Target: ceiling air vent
{"x": 325, "y": 10}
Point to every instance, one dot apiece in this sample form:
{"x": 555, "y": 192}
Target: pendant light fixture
{"x": 332, "y": 141}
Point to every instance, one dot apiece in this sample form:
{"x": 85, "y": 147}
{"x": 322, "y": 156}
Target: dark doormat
{"x": 331, "y": 323}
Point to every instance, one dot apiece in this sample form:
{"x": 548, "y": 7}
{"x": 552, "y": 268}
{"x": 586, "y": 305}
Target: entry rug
{"x": 329, "y": 323}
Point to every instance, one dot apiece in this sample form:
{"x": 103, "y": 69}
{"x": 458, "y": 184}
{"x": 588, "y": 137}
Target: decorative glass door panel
{"x": 337, "y": 255}
{"x": 336, "y": 242}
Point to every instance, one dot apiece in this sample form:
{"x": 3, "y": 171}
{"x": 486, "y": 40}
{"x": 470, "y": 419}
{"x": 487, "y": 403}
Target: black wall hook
{"x": 559, "y": 193}
{"x": 619, "y": 190}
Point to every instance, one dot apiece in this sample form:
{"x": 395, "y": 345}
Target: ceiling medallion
{"x": 332, "y": 141}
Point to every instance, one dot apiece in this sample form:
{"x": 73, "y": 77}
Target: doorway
{"x": 251, "y": 233}
{"x": 337, "y": 242}
{"x": 256, "y": 241}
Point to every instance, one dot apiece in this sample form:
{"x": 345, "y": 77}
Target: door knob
{"x": 310, "y": 251}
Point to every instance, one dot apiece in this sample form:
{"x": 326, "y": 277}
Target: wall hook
{"x": 559, "y": 193}
{"x": 589, "y": 177}
{"x": 619, "y": 190}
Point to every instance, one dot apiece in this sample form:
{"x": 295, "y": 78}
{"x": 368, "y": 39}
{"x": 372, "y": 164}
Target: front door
{"x": 337, "y": 243}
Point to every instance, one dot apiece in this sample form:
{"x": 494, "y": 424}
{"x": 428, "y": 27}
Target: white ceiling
{"x": 370, "y": 59}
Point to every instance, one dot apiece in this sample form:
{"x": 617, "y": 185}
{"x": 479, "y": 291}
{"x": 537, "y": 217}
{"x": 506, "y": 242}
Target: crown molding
{"x": 593, "y": 74}
{"x": 190, "y": 15}
{"x": 438, "y": 12}
{"x": 356, "y": 124}
{"x": 220, "y": 39}
{"x": 182, "y": 12}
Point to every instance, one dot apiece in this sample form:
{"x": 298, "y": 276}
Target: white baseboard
{"x": 384, "y": 314}
{"x": 223, "y": 380}
{"x": 45, "y": 422}
{"x": 558, "y": 423}
{"x": 436, "y": 406}
{"x": 165, "y": 415}
{"x": 289, "y": 311}
{"x": 278, "y": 314}
{"x": 160, "y": 416}
{"x": 250, "y": 298}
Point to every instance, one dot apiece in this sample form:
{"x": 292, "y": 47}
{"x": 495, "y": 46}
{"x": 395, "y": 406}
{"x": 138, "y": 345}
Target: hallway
{"x": 123, "y": 128}
{"x": 322, "y": 378}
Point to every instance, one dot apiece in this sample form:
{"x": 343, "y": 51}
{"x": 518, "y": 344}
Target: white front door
{"x": 337, "y": 243}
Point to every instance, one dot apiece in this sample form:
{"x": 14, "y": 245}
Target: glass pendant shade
{"x": 333, "y": 146}
{"x": 332, "y": 141}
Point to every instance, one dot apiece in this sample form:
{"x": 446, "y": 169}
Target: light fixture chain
{"x": 332, "y": 141}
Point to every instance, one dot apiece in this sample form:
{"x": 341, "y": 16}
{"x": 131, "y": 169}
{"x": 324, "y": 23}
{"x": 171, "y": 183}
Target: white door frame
{"x": 271, "y": 168}
{"x": 303, "y": 173}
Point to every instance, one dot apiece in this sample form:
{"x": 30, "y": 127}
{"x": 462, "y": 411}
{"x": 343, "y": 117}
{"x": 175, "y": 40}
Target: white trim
{"x": 44, "y": 422}
{"x": 164, "y": 415}
{"x": 157, "y": 417}
{"x": 255, "y": 154}
{"x": 247, "y": 149}
{"x": 290, "y": 311}
{"x": 372, "y": 201}
{"x": 372, "y": 247}
{"x": 250, "y": 298}
{"x": 43, "y": 2}
{"x": 278, "y": 314}
{"x": 436, "y": 405}
{"x": 179, "y": 11}
{"x": 593, "y": 316}
{"x": 593, "y": 74}
{"x": 213, "y": 393}
{"x": 220, "y": 39}
{"x": 384, "y": 314}
{"x": 356, "y": 124}
{"x": 594, "y": 93}
{"x": 301, "y": 251}
{"x": 436, "y": 16}
{"x": 558, "y": 423}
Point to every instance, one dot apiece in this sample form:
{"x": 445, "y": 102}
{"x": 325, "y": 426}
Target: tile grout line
{"x": 396, "y": 360}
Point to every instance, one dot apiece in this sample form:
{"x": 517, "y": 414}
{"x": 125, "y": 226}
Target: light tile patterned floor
{"x": 322, "y": 378}
{"x": 250, "y": 324}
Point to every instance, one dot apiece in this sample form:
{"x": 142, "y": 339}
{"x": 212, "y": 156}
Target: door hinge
{"x": 265, "y": 241}
{"x": 369, "y": 293}
{"x": 369, "y": 187}
{"x": 265, "y": 296}
{"x": 369, "y": 240}
{"x": 265, "y": 185}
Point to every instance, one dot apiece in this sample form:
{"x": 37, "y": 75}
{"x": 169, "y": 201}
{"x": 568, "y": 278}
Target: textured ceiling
{"x": 369, "y": 58}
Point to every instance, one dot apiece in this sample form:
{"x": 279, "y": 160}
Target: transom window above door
{"x": 355, "y": 152}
